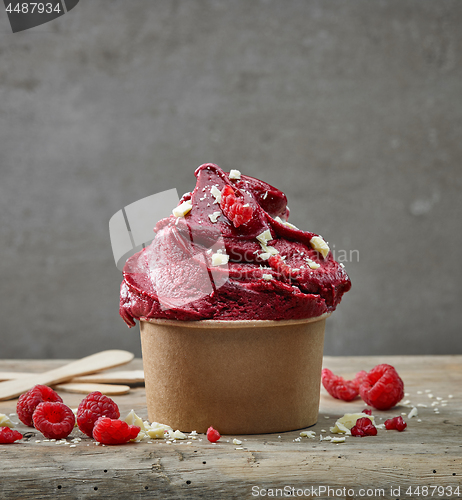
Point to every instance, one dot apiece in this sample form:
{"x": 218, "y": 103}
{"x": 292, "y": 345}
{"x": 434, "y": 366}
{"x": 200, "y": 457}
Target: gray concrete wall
{"x": 354, "y": 109}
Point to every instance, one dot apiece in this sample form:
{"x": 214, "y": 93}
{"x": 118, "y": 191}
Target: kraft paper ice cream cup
{"x": 241, "y": 377}
{"x": 228, "y": 252}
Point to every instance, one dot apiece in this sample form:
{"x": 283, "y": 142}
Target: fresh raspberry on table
{"x": 54, "y": 420}
{"x": 8, "y": 435}
{"x": 213, "y": 435}
{"x": 338, "y": 387}
{"x": 367, "y": 411}
{"x": 28, "y": 401}
{"x": 395, "y": 423}
{"x": 92, "y": 407}
{"x": 359, "y": 377}
{"x": 113, "y": 431}
{"x": 364, "y": 427}
{"x": 234, "y": 209}
{"x": 382, "y": 387}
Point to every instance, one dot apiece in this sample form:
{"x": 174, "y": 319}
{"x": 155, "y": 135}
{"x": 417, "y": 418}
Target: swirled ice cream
{"x": 228, "y": 252}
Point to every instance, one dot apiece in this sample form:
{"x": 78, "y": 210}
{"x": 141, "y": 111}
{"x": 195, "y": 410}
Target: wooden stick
{"x": 90, "y": 364}
{"x": 108, "y": 389}
{"x": 112, "y": 377}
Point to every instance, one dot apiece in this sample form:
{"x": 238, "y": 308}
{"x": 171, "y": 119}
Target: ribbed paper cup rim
{"x": 245, "y": 323}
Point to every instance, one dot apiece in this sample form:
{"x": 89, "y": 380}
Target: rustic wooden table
{"x": 424, "y": 461}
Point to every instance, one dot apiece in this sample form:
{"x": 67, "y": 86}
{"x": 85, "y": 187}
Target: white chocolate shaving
{"x": 215, "y": 192}
{"x": 213, "y": 217}
{"x": 320, "y": 245}
{"x": 219, "y": 259}
{"x": 234, "y": 174}
{"x": 183, "y": 209}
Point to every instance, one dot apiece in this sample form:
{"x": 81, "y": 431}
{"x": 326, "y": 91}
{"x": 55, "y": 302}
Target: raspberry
{"x": 92, "y": 407}
{"x": 233, "y": 208}
{"x": 8, "y": 435}
{"x": 359, "y": 377}
{"x": 395, "y": 423}
{"x": 213, "y": 435}
{"x": 29, "y": 400}
{"x": 338, "y": 387}
{"x": 112, "y": 431}
{"x": 364, "y": 427}
{"x": 382, "y": 387}
{"x": 367, "y": 411}
{"x": 278, "y": 264}
{"x": 54, "y": 420}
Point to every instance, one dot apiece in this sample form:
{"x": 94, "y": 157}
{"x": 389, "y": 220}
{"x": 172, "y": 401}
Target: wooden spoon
{"x": 107, "y": 389}
{"x": 90, "y": 364}
{"x": 112, "y": 377}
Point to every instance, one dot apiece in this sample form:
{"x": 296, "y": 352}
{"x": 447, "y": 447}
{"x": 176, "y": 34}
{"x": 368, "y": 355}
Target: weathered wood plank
{"x": 427, "y": 453}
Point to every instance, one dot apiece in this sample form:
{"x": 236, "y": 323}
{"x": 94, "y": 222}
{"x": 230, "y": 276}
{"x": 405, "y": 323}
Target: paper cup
{"x": 241, "y": 377}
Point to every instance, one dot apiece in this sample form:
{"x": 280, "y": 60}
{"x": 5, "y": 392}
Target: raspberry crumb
{"x": 395, "y": 423}
{"x": 278, "y": 264}
{"x": 363, "y": 427}
{"x": 8, "y": 435}
{"x": 213, "y": 435}
{"x": 234, "y": 209}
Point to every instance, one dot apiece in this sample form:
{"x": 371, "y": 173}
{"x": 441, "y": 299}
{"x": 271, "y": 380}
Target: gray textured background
{"x": 354, "y": 109}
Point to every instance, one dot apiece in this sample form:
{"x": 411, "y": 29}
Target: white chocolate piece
{"x": 320, "y": 245}
{"x": 213, "y": 217}
{"x": 270, "y": 250}
{"x": 234, "y": 174}
{"x": 219, "y": 259}
{"x": 216, "y": 193}
{"x": 288, "y": 224}
{"x": 345, "y": 423}
{"x": 264, "y": 237}
{"x": 183, "y": 209}
{"x": 133, "y": 419}
{"x": 312, "y": 264}
{"x": 5, "y": 421}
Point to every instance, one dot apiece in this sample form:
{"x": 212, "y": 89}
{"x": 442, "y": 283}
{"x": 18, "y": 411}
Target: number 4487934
{"x": 433, "y": 491}
{"x": 33, "y": 7}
